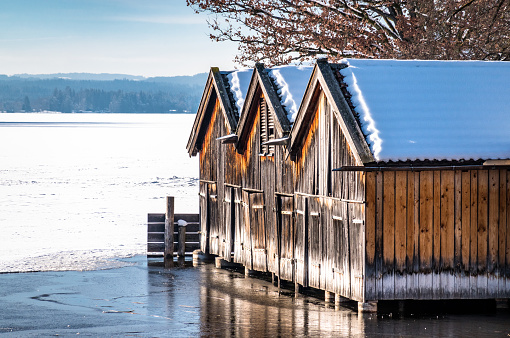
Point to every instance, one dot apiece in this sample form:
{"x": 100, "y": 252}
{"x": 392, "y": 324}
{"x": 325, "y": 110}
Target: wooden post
{"x": 329, "y": 297}
{"x": 181, "y": 252}
{"x": 169, "y": 232}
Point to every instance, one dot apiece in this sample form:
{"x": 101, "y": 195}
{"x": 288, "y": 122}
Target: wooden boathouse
{"x": 368, "y": 179}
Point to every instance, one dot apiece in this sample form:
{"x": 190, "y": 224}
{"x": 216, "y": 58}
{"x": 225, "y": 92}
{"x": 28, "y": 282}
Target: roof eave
{"x": 214, "y": 81}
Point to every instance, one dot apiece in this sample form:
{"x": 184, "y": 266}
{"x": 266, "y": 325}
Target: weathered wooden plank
{"x": 341, "y": 268}
{"x": 447, "y": 229}
{"x": 417, "y": 234}
{"x": 156, "y": 227}
{"x": 436, "y": 244}
{"x": 389, "y": 235}
{"x": 503, "y": 228}
{"x": 159, "y": 247}
{"x": 507, "y": 250}
{"x": 473, "y": 259}
{"x": 156, "y": 218}
{"x": 379, "y": 235}
{"x": 411, "y": 277}
{"x": 214, "y": 219}
{"x": 493, "y": 232}
{"x": 400, "y": 234}
{"x": 268, "y": 184}
{"x": 483, "y": 199}
{"x": 466, "y": 234}
{"x": 204, "y": 217}
{"x": 356, "y": 247}
{"x": 328, "y": 245}
{"x": 247, "y": 242}
{"x": 258, "y": 232}
{"x": 370, "y": 230}
{"x": 285, "y": 208}
{"x": 240, "y": 228}
{"x": 301, "y": 241}
{"x": 426, "y": 233}
{"x": 156, "y": 237}
{"x": 169, "y": 232}
{"x": 458, "y": 274}
{"x": 229, "y": 216}
{"x": 315, "y": 246}
{"x": 188, "y": 217}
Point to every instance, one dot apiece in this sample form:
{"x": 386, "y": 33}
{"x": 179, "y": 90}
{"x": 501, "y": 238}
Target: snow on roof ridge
{"x": 291, "y": 93}
{"x": 284, "y": 92}
{"x": 239, "y": 89}
{"x": 359, "y": 101}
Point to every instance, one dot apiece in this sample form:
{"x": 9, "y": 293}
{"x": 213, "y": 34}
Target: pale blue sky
{"x": 138, "y": 37}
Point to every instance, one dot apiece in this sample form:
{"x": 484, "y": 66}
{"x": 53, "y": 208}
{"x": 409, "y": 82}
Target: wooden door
{"x": 214, "y": 221}
{"x": 238, "y": 234}
{"x": 315, "y": 239}
{"x": 285, "y": 223}
{"x": 356, "y": 213}
{"x": 258, "y": 231}
{"x": 227, "y": 244}
{"x": 204, "y": 217}
{"x": 247, "y": 240}
{"x": 341, "y": 265}
{"x": 301, "y": 241}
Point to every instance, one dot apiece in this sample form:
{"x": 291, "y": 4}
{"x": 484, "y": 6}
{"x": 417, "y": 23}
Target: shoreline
{"x": 83, "y": 260}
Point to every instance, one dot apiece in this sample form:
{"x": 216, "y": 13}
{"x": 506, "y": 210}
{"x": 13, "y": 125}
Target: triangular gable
{"x": 215, "y": 88}
{"x": 261, "y": 82}
{"x": 323, "y": 77}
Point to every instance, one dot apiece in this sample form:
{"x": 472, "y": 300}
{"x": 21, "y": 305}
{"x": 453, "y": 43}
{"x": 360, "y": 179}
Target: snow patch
{"x": 291, "y": 84}
{"x": 368, "y": 123}
{"x": 239, "y": 81}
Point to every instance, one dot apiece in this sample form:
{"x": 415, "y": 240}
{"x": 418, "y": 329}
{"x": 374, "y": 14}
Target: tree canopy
{"x": 281, "y": 31}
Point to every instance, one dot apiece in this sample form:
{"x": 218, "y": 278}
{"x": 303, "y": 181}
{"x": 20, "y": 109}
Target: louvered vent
{"x": 267, "y": 130}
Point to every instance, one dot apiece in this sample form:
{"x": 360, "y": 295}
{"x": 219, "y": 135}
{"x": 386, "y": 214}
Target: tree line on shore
{"x": 153, "y": 95}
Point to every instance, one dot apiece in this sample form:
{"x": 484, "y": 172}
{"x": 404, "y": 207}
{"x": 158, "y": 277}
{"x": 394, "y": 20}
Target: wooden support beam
{"x": 367, "y": 307}
{"x": 181, "y": 251}
{"x": 169, "y": 233}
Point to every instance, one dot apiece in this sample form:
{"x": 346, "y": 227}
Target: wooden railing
{"x": 179, "y": 239}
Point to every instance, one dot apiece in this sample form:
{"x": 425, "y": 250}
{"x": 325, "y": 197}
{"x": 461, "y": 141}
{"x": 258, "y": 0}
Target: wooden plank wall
{"x": 437, "y": 234}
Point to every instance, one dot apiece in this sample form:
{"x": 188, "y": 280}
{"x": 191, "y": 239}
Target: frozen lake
{"x": 75, "y": 189}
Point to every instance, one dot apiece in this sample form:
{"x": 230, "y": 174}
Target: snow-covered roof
{"x": 416, "y": 110}
{"x": 239, "y": 81}
{"x": 291, "y": 82}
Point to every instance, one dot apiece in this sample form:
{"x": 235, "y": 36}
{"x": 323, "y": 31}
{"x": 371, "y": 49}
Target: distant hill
{"x": 116, "y": 93}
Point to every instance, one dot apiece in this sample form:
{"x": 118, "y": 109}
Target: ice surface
{"x": 239, "y": 81}
{"x": 292, "y": 82}
{"x": 75, "y": 189}
{"x": 432, "y": 109}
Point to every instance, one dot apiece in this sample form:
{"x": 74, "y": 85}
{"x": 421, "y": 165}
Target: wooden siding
{"x": 422, "y": 234}
{"x": 437, "y": 234}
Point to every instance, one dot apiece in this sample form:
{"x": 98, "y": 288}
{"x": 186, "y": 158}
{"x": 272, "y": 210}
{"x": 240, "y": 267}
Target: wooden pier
{"x": 170, "y": 234}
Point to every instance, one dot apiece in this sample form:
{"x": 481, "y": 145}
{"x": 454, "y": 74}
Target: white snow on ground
{"x": 75, "y": 189}
{"x": 432, "y": 109}
{"x": 239, "y": 81}
{"x": 292, "y": 82}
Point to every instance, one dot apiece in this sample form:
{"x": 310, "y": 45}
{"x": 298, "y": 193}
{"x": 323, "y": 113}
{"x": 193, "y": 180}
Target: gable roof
{"x": 219, "y": 85}
{"x": 323, "y": 78}
{"x": 261, "y": 82}
{"x": 441, "y": 110}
